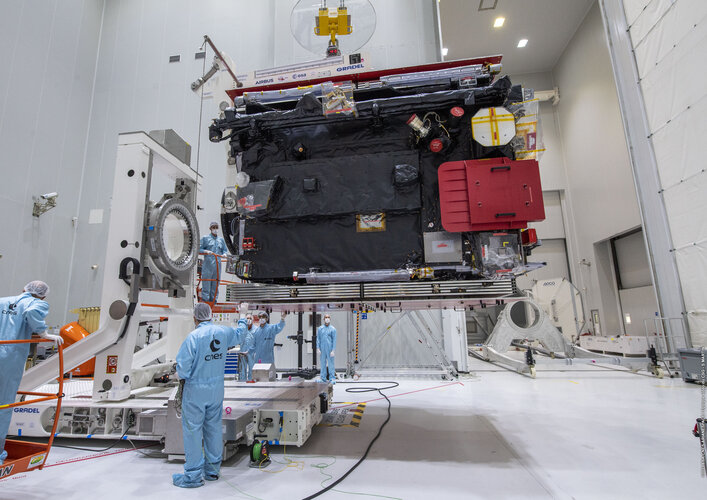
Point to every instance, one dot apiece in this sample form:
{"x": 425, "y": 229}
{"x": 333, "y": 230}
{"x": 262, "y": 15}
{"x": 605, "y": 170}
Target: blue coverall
{"x": 326, "y": 342}
{"x": 20, "y": 317}
{"x": 245, "y": 370}
{"x": 210, "y": 268}
{"x": 265, "y": 342}
{"x": 201, "y": 363}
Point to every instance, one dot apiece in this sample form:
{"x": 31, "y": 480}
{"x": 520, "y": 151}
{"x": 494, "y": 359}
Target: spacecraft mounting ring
{"x": 171, "y": 262}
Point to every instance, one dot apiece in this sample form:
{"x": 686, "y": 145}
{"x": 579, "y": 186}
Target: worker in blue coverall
{"x": 20, "y": 317}
{"x": 265, "y": 339}
{"x": 214, "y": 247}
{"x": 326, "y": 345}
{"x": 245, "y": 363}
{"x": 201, "y": 363}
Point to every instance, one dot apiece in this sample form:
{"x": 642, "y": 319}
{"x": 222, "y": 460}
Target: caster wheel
{"x": 533, "y": 372}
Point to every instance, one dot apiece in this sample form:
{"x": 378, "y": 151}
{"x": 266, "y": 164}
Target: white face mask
{"x": 327, "y": 321}
{"x": 250, "y": 323}
{"x": 263, "y": 322}
{"x": 214, "y": 232}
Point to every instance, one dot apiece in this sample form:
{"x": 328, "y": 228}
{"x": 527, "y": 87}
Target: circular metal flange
{"x": 189, "y": 251}
{"x": 532, "y": 316}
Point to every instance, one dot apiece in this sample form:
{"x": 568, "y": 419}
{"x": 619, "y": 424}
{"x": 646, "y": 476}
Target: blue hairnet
{"x": 38, "y": 288}
{"x": 213, "y": 224}
{"x": 202, "y": 312}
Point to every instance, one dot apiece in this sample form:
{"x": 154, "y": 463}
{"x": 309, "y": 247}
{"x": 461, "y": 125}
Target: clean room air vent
{"x": 487, "y": 4}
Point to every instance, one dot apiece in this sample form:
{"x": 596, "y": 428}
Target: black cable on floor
{"x": 159, "y": 454}
{"x": 357, "y": 390}
{"x": 91, "y": 449}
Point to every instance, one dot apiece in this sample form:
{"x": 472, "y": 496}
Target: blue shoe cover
{"x": 182, "y": 481}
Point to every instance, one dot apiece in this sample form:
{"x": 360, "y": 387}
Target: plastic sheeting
{"x": 400, "y": 346}
{"x": 669, "y": 38}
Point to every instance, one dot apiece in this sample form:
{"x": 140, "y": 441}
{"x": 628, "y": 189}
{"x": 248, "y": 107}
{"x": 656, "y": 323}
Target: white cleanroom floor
{"x": 584, "y": 433}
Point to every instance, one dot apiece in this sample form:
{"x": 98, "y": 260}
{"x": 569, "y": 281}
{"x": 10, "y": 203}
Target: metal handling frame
{"x": 394, "y": 297}
{"x": 412, "y": 300}
{"x": 130, "y": 397}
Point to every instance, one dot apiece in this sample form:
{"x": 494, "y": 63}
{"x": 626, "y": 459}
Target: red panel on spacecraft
{"x": 490, "y": 194}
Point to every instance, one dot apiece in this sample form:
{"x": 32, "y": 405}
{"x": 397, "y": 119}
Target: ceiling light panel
{"x": 522, "y": 43}
{"x": 499, "y": 22}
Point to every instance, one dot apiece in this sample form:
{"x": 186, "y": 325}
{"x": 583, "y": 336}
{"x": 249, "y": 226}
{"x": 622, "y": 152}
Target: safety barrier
{"x": 23, "y": 456}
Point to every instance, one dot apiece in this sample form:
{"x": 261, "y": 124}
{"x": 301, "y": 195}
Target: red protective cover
{"x": 491, "y": 194}
{"x": 529, "y": 237}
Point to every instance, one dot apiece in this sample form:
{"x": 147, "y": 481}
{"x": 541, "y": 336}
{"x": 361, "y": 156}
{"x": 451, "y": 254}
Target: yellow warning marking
{"x": 494, "y": 126}
{"x": 485, "y": 119}
{"x": 344, "y": 417}
{"x": 530, "y": 151}
{"x": 574, "y": 382}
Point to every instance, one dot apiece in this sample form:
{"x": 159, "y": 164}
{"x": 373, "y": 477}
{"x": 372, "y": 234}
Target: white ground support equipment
{"x": 562, "y": 302}
{"x": 153, "y": 246}
{"x": 525, "y": 325}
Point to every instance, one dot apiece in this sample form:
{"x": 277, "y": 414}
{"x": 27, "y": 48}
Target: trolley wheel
{"x": 658, "y": 372}
{"x": 533, "y": 372}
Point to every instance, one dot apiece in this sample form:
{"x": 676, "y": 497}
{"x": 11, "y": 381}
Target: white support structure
{"x": 562, "y": 302}
{"x": 524, "y": 324}
{"x": 113, "y": 344}
{"x": 455, "y": 338}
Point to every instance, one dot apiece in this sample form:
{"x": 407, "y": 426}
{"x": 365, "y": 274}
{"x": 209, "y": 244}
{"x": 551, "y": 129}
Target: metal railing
{"x": 22, "y": 455}
{"x": 667, "y": 335}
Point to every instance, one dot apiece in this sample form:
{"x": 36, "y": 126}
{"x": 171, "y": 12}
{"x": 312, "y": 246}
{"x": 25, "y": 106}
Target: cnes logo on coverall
{"x": 215, "y": 345}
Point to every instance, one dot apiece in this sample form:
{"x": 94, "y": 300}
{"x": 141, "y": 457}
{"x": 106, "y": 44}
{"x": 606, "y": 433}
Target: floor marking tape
{"x": 402, "y": 394}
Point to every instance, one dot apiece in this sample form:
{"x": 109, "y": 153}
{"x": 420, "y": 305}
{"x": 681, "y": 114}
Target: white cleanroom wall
{"x": 50, "y": 51}
{"x": 669, "y": 39}
{"x": 660, "y": 62}
{"x": 600, "y": 192}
